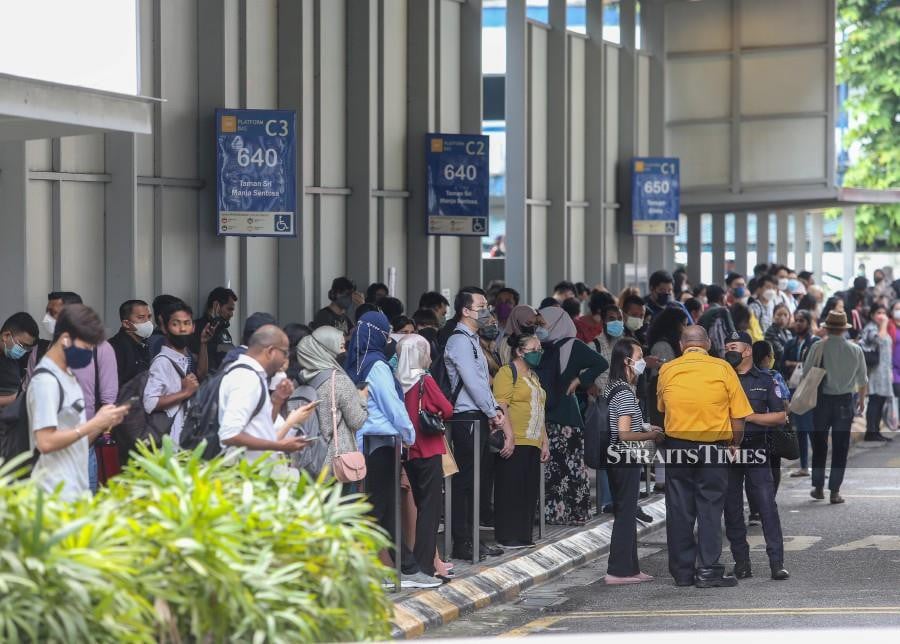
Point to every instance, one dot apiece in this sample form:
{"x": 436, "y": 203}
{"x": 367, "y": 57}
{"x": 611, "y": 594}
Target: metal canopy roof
{"x": 800, "y": 198}
{"x": 36, "y": 109}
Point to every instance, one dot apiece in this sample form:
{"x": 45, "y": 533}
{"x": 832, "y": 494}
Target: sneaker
{"x": 419, "y": 580}
{"x": 753, "y": 519}
{"x": 515, "y": 545}
{"x": 799, "y": 473}
{"x": 643, "y": 516}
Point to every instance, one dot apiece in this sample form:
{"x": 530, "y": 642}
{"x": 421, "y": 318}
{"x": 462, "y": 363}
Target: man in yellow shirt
{"x": 705, "y": 408}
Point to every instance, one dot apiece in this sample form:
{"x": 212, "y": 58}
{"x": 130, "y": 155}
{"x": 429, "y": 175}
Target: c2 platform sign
{"x": 256, "y": 185}
{"x": 655, "y": 196}
{"x": 458, "y": 184}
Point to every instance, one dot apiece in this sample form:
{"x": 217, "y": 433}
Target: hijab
{"x": 318, "y": 352}
{"x": 367, "y": 347}
{"x": 521, "y": 316}
{"x": 560, "y": 327}
{"x": 414, "y": 353}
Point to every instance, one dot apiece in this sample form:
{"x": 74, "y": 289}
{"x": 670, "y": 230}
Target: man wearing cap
{"x": 768, "y": 411}
{"x": 704, "y": 408}
{"x": 845, "y": 374}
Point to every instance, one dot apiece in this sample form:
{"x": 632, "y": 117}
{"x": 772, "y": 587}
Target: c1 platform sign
{"x": 655, "y": 196}
{"x": 458, "y": 184}
{"x": 256, "y": 184}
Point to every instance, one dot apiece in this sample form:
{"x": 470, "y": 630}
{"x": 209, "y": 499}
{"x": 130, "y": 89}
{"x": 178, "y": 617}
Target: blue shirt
{"x": 465, "y": 360}
{"x": 387, "y": 412}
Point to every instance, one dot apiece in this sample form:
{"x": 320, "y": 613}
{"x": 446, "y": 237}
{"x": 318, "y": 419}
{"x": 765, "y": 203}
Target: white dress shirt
{"x": 239, "y": 396}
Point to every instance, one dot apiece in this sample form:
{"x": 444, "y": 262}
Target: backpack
{"x": 138, "y": 425}
{"x": 201, "y": 423}
{"x": 441, "y": 376}
{"x": 312, "y": 459}
{"x": 15, "y": 426}
{"x": 596, "y": 429}
{"x": 549, "y": 372}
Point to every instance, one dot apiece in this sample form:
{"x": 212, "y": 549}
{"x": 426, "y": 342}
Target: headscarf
{"x": 414, "y": 353}
{"x": 521, "y": 316}
{"x": 560, "y": 327}
{"x": 318, "y": 352}
{"x": 367, "y": 347}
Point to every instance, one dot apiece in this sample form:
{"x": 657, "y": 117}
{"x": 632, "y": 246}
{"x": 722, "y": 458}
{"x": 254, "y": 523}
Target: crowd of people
{"x": 491, "y": 377}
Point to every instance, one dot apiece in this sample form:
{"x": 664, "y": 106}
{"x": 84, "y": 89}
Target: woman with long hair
{"x": 876, "y": 337}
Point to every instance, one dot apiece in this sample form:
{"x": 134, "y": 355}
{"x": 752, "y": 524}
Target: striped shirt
{"x": 624, "y": 403}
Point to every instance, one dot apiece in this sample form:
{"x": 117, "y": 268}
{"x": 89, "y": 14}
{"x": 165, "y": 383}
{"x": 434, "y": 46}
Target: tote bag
{"x": 807, "y": 394}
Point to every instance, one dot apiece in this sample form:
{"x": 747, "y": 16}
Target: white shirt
{"x": 164, "y": 380}
{"x": 782, "y": 298}
{"x": 239, "y": 395}
{"x": 67, "y": 466}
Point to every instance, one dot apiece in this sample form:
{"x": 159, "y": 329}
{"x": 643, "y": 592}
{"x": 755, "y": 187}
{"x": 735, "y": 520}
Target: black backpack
{"x": 549, "y": 372}
{"x": 201, "y": 423}
{"x": 596, "y": 429}
{"x": 439, "y": 372}
{"x": 15, "y": 426}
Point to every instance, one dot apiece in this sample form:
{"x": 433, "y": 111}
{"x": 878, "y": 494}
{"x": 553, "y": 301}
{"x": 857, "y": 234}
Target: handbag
{"x": 105, "y": 447}
{"x": 783, "y": 442}
{"x": 448, "y": 463}
{"x": 807, "y": 394}
{"x": 351, "y": 466}
{"x": 430, "y": 423}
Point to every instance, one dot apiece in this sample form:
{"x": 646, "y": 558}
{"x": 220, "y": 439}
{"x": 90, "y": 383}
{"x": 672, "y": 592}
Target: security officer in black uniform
{"x": 768, "y": 407}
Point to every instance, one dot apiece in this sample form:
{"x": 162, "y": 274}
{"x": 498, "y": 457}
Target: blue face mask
{"x": 78, "y": 358}
{"x": 740, "y": 291}
{"x": 16, "y": 351}
{"x": 615, "y": 328}
{"x": 792, "y": 285}
{"x": 541, "y": 333}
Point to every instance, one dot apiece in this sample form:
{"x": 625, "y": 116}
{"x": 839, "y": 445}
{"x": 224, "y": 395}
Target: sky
{"x": 89, "y": 43}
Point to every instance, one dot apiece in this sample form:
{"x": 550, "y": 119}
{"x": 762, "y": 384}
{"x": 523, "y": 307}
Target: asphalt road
{"x": 844, "y": 562}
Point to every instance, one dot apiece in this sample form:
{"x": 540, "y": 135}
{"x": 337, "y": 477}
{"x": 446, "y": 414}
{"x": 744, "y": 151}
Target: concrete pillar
{"x": 800, "y": 241}
{"x": 558, "y": 255}
{"x": 782, "y": 240}
{"x": 627, "y": 127}
{"x": 762, "y": 237}
{"x": 120, "y": 228}
{"x": 470, "y": 115}
{"x": 817, "y": 244}
{"x": 14, "y": 223}
{"x": 740, "y": 243}
{"x": 694, "y": 247}
{"x": 516, "y": 146}
{"x": 596, "y": 239}
{"x": 848, "y": 244}
{"x": 718, "y": 247}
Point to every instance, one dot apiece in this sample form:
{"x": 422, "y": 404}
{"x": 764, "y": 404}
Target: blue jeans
{"x": 92, "y": 469}
{"x": 803, "y": 423}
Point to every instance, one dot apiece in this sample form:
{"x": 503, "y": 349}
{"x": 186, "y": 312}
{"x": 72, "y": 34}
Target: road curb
{"x": 491, "y": 585}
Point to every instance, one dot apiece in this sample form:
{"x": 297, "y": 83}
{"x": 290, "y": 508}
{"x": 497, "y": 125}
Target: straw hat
{"x": 836, "y": 321}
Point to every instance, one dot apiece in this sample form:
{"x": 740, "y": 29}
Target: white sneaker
{"x": 419, "y": 580}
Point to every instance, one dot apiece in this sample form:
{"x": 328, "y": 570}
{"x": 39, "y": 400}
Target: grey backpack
{"x": 311, "y": 459}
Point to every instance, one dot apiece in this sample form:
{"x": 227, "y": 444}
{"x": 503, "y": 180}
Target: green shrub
{"x": 182, "y": 549}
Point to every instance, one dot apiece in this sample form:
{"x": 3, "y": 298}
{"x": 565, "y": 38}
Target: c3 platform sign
{"x": 256, "y": 185}
{"x": 655, "y": 196}
{"x": 458, "y": 184}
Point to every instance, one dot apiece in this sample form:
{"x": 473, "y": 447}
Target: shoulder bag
{"x": 430, "y": 423}
{"x": 349, "y": 467}
{"x": 807, "y": 394}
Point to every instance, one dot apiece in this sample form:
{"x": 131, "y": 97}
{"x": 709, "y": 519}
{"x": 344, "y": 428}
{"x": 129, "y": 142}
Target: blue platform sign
{"x": 256, "y": 184}
{"x": 458, "y": 184}
{"x": 655, "y": 195}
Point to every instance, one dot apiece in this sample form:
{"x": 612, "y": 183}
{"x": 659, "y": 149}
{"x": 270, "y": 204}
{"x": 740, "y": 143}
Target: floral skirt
{"x": 567, "y": 489}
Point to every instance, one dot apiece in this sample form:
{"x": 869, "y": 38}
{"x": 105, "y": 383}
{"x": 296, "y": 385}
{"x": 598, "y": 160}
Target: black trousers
{"x": 761, "y": 491}
{"x": 874, "y": 414}
{"x": 517, "y": 481}
{"x": 695, "y": 495}
{"x": 775, "y": 466}
{"x": 381, "y": 481}
{"x": 426, "y": 478}
{"x": 833, "y": 413}
{"x": 463, "y": 483}
{"x": 488, "y": 465}
{"x": 625, "y": 482}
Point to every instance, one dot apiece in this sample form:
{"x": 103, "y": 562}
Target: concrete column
{"x": 121, "y": 229}
{"x": 558, "y": 254}
{"x": 14, "y": 223}
{"x": 718, "y": 247}
{"x": 800, "y": 241}
{"x": 740, "y": 243}
{"x": 694, "y": 247}
{"x": 848, "y": 244}
{"x": 470, "y": 116}
{"x": 596, "y": 239}
{"x": 627, "y": 127}
{"x": 782, "y": 240}
{"x": 762, "y": 236}
{"x": 817, "y": 244}
{"x": 516, "y": 146}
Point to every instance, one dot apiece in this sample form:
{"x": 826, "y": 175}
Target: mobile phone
{"x": 310, "y": 438}
{"x": 134, "y": 400}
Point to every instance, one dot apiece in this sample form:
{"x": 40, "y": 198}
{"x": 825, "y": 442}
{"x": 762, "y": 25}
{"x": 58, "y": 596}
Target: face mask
{"x": 144, "y": 330}
{"x": 663, "y": 298}
{"x": 16, "y": 351}
{"x": 896, "y": 315}
{"x": 770, "y": 364}
{"x": 533, "y": 359}
{"x": 490, "y": 332}
{"x": 734, "y": 358}
{"x": 768, "y": 294}
{"x": 783, "y": 284}
{"x": 879, "y": 280}
{"x": 740, "y": 292}
{"x": 483, "y": 318}
{"x": 180, "y": 341}
{"x": 793, "y": 285}
{"x": 504, "y": 309}
{"x": 639, "y": 366}
{"x": 341, "y": 357}
{"x": 276, "y": 380}
{"x": 78, "y": 358}
{"x": 542, "y": 334}
{"x": 633, "y": 324}
{"x": 49, "y": 323}
{"x": 615, "y": 328}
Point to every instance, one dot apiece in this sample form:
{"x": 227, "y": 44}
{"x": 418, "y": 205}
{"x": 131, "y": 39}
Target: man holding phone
{"x": 220, "y": 306}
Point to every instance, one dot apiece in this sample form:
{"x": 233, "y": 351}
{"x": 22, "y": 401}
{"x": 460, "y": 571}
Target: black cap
{"x": 740, "y": 336}
{"x": 254, "y": 323}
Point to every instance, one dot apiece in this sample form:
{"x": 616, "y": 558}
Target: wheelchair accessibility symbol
{"x": 283, "y": 223}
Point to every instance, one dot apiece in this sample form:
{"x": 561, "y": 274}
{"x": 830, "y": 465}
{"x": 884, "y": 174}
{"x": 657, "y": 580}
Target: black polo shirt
{"x": 11, "y": 374}
{"x": 764, "y": 397}
{"x": 132, "y": 357}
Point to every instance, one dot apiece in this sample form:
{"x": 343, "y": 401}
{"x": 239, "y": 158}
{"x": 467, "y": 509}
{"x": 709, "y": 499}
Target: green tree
{"x": 869, "y": 62}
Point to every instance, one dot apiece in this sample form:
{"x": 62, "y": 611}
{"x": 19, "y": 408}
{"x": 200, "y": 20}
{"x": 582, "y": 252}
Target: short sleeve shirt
{"x": 69, "y": 466}
{"x": 623, "y": 403}
{"x": 525, "y": 399}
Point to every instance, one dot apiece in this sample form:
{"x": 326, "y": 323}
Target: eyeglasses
{"x": 286, "y": 352}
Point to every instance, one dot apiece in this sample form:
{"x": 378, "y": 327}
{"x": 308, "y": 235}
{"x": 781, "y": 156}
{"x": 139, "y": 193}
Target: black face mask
{"x": 341, "y": 357}
{"x": 390, "y": 350}
{"x": 734, "y": 358}
{"x": 180, "y": 341}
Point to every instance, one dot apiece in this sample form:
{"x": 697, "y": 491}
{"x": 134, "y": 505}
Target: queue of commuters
{"x": 682, "y": 368}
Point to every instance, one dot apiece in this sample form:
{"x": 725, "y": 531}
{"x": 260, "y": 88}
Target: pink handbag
{"x": 349, "y": 467}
